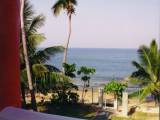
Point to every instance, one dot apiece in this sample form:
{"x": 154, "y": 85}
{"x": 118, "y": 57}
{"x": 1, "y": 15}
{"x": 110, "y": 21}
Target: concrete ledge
{"x": 11, "y": 113}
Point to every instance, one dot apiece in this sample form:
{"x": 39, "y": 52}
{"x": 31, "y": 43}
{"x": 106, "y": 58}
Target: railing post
{"x": 100, "y": 97}
{"x": 125, "y": 104}
{"x": 92, "y": 96}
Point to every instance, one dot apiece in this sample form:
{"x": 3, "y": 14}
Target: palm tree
{"x": 36, "y": 58}
{"x": 148, "y": 71}
{"x": 69, "y": 7}
{"x": 25, "y": 53}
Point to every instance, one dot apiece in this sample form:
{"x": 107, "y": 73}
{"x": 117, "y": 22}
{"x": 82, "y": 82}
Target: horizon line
{"x": 91, "y": 47}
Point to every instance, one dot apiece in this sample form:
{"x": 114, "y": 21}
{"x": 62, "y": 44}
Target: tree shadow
{"x": 78, "y": 110}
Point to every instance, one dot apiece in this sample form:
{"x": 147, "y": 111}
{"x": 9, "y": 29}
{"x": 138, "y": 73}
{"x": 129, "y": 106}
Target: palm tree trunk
{"x": 23, "y": 95}
{"x": 29, "y": 75}
{"x": 67, "y": 42}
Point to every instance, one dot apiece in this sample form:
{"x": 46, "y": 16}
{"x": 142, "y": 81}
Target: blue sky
{"x": 103, "y": 23}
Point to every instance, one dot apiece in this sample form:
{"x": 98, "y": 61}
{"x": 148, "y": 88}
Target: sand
{"x": 93, "y": 98}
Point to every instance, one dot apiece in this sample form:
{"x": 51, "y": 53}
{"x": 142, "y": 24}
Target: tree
{"x": 116, "y": 88}
{"x": 69, "y": 7}
{"x": 64, "y": 88}
{"x": 26, "y": 58}
{"x": 148, "y": 71}
{"x": 85, "y": 73}
{"x": 36, "y": 58}
{"x": 69, "y": 70}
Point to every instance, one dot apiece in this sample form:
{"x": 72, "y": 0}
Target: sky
{"x": 102, "y": 23}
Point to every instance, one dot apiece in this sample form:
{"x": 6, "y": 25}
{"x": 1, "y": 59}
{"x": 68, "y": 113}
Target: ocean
{"x": 109, "y": 63}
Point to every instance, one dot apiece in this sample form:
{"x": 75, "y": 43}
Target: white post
{"x": 92, "y": 96}
{"x": 125, "y": 104}
{"x": 105, "y": 102}
{"x": 115, "y": 104}
{"x": 100, "y": 97}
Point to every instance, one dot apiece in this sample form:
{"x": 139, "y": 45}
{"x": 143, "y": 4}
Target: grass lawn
{"x": 138, "y": 116}
{"x": 70, "y": 110}
{"x": 85, "y": 111}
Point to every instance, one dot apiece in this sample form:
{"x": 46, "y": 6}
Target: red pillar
{"x": 9, "y": 54}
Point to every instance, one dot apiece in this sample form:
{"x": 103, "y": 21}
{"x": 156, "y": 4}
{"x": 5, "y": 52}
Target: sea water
{"x": 109, "y": 63}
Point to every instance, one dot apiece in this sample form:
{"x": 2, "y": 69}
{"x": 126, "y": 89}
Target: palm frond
{"x": 154, "y": 56}
{"x": 58, "y": 6}
{"x": 148, "y": 70}
{"x": 43, "y": 55}
{"x": 147, "y": 90}
{"x": 53, "y": 50}
{"x": 28, "y": 14}
{"x": 137, "y": 65}
{"x": 141, "y": 52}
{"x": 52, "y": 68}
{"x": 36, "y": 23}
{"x": 141, "y": 74}
{"x": 154, "y": 48}
{"x": 146, "y": 59}
{"x": 32, "y": 23}
{"x": 145, "y": 68}
{"x": 135, "y": 94}
{"x": 35, "y": 39}
{"x": 51, "y": 81}
{"x": 67, "y": 5}
{"x": 39, "y": 70}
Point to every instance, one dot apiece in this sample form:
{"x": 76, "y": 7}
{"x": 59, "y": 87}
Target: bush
{"x": 64, "y": 94}
{"x": 116, "y": 88}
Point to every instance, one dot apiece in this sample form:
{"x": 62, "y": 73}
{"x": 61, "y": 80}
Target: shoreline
{"x": 98, "y": 82}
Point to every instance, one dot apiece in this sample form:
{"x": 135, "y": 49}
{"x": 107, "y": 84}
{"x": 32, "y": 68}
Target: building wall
{"x": 9, "y": 54}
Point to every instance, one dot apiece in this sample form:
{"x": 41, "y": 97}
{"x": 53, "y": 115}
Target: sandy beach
{"x": 92, "y": 97}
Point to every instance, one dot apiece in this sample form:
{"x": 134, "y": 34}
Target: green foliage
{"x": 85, "y": 73}
{"x": 69, "y": 70}
{"x": 41, "y": 56}
{"x": 135, "y": 94}
{"x": 37, "y": 58}
{"x": 66, "y": 95}
{"x": 86, "y": 70}
{"x": 51, "y": 82}
{"x": 148, "y": 70}
{"x": 52, "y": 68}
{"x": 32, "y": 24}
{"x": 115, "y": 87}
{"x": 63, "y": 90}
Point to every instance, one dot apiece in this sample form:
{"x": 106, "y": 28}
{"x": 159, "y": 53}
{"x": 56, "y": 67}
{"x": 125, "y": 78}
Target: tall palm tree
{"x": 148, "y": 71}
{"x": 36, "y": 58}
{"x": 26, "y": 58}
{"x": 69, "y": 7}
